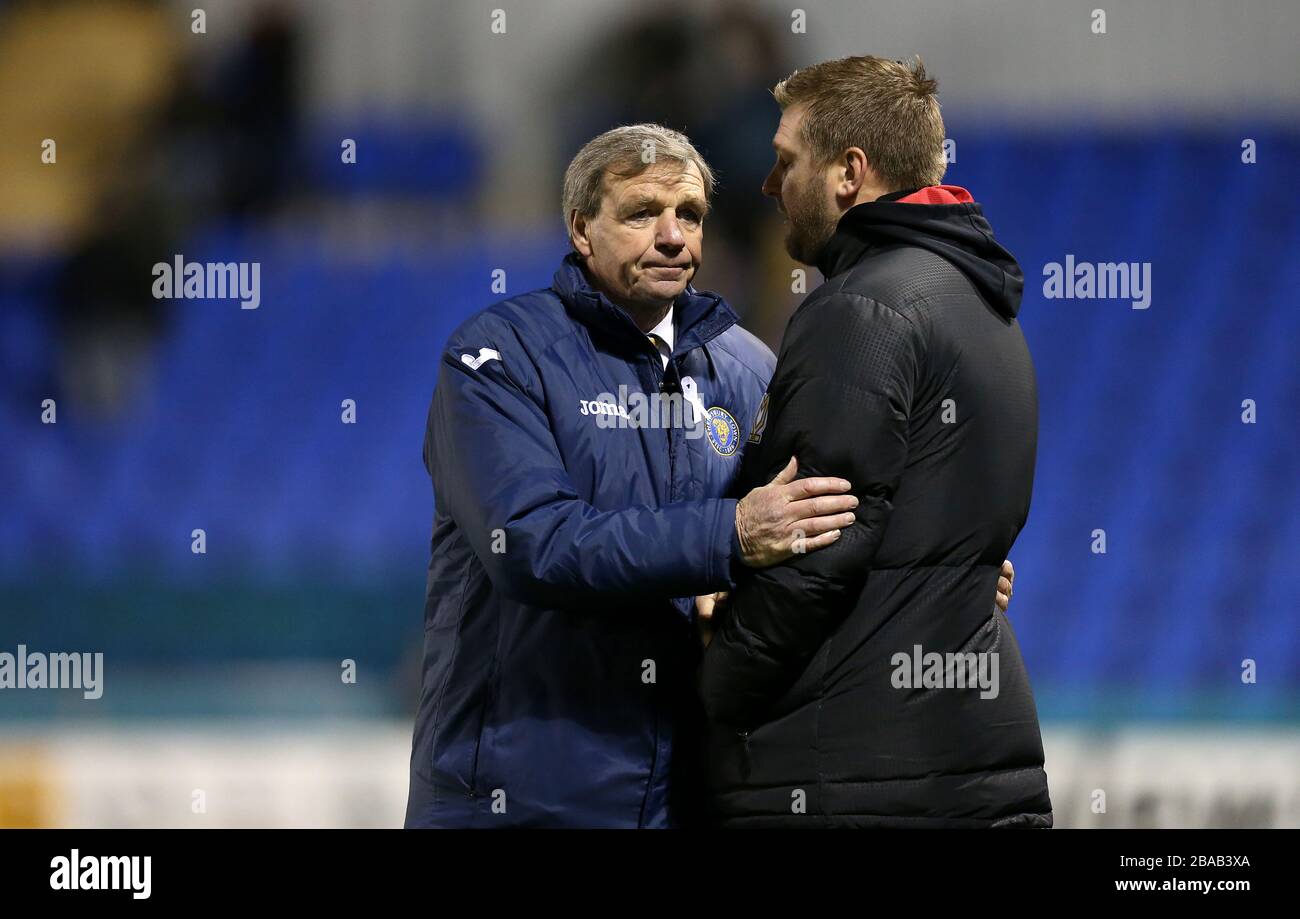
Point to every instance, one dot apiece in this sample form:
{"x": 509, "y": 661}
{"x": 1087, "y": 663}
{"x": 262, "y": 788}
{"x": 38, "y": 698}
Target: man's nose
{"x": 771, "y": 187}
{"x": 668, "y": 232}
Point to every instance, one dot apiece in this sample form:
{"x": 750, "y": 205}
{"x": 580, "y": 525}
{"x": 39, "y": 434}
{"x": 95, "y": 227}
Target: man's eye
{"x": 641, "y": 214}
{"x": 691, "y": 216}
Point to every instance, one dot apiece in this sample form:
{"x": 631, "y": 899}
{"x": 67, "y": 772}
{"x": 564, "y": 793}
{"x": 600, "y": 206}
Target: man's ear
{"x": 855, "y": 174}
{"x": 578, "y": 234}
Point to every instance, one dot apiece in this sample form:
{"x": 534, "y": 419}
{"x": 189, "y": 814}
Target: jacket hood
{"x": 698, "y": 316}
{"x": 941, "y": 218}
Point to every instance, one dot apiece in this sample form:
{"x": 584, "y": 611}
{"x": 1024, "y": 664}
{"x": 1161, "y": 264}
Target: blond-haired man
{"x": 871, "y": 684}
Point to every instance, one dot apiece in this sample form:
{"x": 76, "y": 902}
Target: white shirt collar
{"x": 664, "y": 330}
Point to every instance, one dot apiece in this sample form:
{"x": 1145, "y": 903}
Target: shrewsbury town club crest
{"x": 724, "y": 433}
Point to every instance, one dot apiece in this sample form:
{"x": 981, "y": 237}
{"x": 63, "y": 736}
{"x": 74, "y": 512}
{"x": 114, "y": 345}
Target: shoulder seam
{"x": 722, "y": 346}
{"x": 922, "y": 337}
{"x": 511, "y": 324}
{"x": 841, "y": 292}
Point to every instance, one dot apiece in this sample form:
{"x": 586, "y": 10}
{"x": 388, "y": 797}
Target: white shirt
{"x": 664, "y": 332}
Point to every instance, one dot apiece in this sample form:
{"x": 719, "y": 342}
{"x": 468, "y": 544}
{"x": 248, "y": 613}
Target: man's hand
{"x": 705, "y": 608}
{"x": 789, "y": 516}
{"x": 1005, "y": 581}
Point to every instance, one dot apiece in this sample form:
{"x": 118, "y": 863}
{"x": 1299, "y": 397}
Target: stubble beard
{"x": 811, "y": 227}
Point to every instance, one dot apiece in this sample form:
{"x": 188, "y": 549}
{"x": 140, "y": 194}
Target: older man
{"x": 581, "y": 441}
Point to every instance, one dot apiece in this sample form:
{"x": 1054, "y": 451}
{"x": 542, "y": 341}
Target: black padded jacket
{"x": 871, "y": 683}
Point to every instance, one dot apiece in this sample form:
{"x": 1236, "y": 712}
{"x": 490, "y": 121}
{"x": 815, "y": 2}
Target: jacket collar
{"x": 943, "y": 219}
{"x": 857, "y": 231}
{"x": 843, "y": 250}
{"x": 699, "y": 316}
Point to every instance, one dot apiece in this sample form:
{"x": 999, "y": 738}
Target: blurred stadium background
{"x": 222, "y": 670}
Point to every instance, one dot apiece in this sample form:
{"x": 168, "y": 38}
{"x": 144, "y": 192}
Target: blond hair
{"x": 888, "y": 108}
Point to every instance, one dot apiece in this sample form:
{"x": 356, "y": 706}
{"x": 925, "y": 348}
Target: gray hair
{"x": 625, "y": 151}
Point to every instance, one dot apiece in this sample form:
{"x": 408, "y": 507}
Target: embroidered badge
{"x": 724, "y": 433}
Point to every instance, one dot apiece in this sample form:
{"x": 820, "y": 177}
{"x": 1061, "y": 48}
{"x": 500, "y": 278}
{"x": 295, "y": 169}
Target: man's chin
{"x": 797, "y": 248}
{"x": 801, "y": 248}
{"x": 662, "y": 291}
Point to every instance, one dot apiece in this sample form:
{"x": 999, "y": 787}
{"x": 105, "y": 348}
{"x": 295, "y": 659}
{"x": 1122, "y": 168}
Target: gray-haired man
{"x": 558, "y": 665}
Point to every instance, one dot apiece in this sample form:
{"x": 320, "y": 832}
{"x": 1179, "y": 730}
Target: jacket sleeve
{"x": 499, "y": 473}
{"x": 841, "y": 396}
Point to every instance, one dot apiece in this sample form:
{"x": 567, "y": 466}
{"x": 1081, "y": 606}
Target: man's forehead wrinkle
{"x": 653, "y": 192}
{"x": 642, "y": 182}
{"x": 667, "y": 173}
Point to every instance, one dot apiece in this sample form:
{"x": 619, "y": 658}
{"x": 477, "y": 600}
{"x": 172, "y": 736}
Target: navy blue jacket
{"x": 559, "y": 669}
